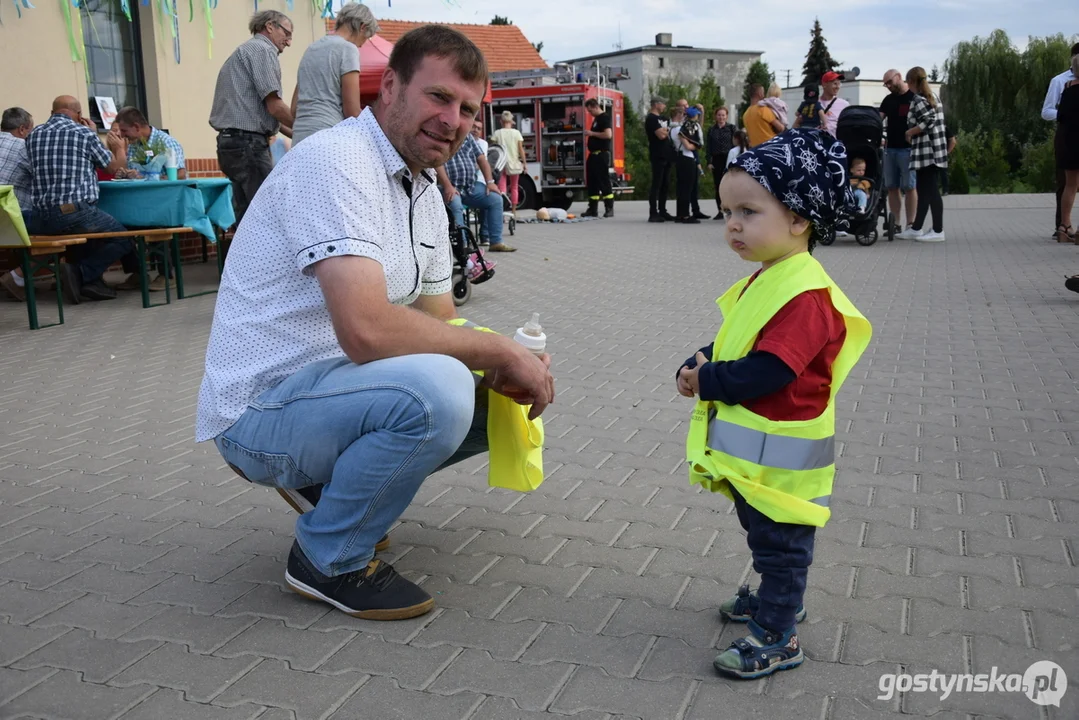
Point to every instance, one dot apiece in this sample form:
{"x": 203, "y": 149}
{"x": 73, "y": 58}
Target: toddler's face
{"x": 759, "y": 227}
{"x": 857, "y": 167}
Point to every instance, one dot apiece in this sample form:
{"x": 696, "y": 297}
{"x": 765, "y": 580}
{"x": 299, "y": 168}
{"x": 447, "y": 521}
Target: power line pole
{"x": 788, "y": 76}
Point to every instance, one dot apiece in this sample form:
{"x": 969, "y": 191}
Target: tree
{"x": 818, "y": 59}
{"x": 934, "y": 74}
{"x": 993, "y": 95}
{"x": 499, "y": 20}
{"x": 758, "y": 74}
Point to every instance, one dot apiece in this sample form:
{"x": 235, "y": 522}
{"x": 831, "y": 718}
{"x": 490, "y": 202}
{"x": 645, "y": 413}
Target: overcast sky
{"x": 871, "y": 34}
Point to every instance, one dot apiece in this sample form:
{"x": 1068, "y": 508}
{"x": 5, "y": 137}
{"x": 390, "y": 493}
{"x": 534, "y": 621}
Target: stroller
{"x": 861, "y": 129}
{"x": 470, "y": 267}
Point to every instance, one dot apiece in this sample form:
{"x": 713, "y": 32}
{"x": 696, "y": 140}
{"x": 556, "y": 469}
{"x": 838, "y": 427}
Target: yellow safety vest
{"x": 514, "y": 442}
{"x": 784, "y": 469}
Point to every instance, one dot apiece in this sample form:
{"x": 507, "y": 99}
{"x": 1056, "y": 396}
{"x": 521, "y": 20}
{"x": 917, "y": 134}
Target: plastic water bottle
{"x": 532, "y": 336}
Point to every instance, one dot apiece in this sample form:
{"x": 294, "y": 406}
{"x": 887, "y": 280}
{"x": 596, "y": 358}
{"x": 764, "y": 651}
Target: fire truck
{"x": 548, "y": 105}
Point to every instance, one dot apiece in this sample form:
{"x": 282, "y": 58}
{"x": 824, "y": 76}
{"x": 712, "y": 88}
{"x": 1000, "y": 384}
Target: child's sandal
{"x": 759, "y": 654}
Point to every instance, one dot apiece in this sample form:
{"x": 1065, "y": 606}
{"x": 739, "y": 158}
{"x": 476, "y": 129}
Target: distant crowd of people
{"x": 917, "y": 143}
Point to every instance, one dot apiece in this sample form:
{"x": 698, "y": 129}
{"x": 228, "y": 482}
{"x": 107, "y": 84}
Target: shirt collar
{"x": 266, "y": 40}
{"x": 391, "y": 159}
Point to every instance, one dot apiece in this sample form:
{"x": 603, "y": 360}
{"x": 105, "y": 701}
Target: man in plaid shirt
{"x": 133, "y": 126}
{"x": 15, "y": 170}
{"x": 460, "y": 187}
{"x": 64, "y": 152}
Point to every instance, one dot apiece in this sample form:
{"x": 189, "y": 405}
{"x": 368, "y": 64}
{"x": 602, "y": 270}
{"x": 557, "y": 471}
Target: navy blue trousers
{"x": 782, "y": 554}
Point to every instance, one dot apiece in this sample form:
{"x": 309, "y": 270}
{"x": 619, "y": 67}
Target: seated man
{"x": 460, "y": 186}
{"x": 15, "y": 170}
{"x": 63, "y": 154}
{"x": 144, "y": 140}
{"x": 331, "y": 372}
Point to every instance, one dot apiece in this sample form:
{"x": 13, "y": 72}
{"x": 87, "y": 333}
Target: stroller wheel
{"x": 462, "y": 290}
{"x": 829, "y": 241}
{"x": 889, "y": 226}
{"x": 868, "y": 239}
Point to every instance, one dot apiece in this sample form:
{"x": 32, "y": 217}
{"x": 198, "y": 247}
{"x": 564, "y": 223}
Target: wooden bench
{"x": 160, "y": 244}
{"x": 50, "y": 249}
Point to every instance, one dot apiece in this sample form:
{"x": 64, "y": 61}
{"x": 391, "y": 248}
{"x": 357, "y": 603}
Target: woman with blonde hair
{"x": 928, "y": 156}
{"x": 513, "y": 143}
{"x": 328, "y": 80}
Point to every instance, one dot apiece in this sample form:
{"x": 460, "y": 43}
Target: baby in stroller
{"x": 861, "y": 185}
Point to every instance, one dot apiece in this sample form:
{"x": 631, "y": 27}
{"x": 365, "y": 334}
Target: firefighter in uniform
{"x": 599, "y": 161}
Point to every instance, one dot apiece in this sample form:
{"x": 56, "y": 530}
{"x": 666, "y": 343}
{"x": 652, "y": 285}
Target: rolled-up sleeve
{"x": 336, "y": 216}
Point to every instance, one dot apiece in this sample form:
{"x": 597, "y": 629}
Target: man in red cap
{"x": 831, "y": 104}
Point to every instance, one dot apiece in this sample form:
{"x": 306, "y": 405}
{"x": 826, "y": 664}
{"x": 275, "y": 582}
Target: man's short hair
{"x": 591, "y": 103}
{"x": 355, "y": 18}
{"x": 260, "y": 20}
{"x": 15, "y": 118}
{"x": 1075, "y": 49}
{"x": 755, "y": 88}
{"x": 442, "y": 42}
{"x": 131, "y": 116}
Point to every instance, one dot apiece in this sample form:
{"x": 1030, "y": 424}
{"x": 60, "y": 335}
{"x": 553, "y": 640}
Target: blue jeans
{"x": 369, "y": 434}
{"x": 861, "y": 199}
{"x": 489, "y": 205}
{"x": 95, "y": 257}
{"x": 782, "y": 554}
{"x": 897, "y": 172}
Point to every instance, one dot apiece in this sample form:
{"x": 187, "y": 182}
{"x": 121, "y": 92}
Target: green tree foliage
{"x": 818, "y": 59}
{"x": 638, "y": 166}
{"x": 499, "y": 20}
{"x": 993, "y": 94}
{"x": 758, "y": 74}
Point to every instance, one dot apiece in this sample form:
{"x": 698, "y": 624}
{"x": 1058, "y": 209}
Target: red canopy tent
{"x": 374, "y": 56}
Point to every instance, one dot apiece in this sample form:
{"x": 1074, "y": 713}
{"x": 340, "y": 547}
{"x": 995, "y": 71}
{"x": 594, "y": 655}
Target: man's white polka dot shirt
{"x": 343, "y": 191}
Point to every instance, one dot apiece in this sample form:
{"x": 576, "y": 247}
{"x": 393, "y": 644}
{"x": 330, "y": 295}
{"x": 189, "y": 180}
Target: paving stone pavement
{"x": 140, "y": 579}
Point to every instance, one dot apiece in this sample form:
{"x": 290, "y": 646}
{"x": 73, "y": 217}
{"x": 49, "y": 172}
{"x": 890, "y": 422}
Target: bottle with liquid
{"x": 532, "y": 336}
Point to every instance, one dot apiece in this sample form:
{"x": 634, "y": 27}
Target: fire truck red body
{"x": 548, "y": 106}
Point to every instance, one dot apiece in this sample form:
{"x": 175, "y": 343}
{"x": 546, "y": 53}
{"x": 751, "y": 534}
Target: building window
{"x": 662, "y": 64}
{"x": 711, "y": 64}
{"x": 113, "y": 55}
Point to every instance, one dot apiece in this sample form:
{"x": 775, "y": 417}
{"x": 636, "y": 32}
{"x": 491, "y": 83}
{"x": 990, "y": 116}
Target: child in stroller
{"x": 861, "y": 129}
{"x": 858, "y": 182}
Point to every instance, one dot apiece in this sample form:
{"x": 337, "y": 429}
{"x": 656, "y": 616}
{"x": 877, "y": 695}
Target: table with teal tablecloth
{"x": 199, "y": 203}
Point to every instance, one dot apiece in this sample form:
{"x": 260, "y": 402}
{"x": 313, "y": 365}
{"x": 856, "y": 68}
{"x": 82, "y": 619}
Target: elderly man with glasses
{"x": 248, "y": 108}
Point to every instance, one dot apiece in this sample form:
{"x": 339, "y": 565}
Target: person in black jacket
{"x": 720, "y": 142}
{"x": 661, "y": 154}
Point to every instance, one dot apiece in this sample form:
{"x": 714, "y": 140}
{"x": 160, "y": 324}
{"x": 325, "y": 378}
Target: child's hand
{"x": 688, "y": 381}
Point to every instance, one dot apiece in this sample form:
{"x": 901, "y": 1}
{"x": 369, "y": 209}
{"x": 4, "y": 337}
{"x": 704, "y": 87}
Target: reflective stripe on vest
{"x": 777, "y": 451}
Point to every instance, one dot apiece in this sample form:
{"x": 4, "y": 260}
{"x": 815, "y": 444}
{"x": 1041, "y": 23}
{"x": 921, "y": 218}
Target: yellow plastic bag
{"x": 515, "y": 442}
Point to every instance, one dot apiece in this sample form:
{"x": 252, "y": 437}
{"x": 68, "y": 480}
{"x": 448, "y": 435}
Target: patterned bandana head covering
{"x": 806, "y": 170}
